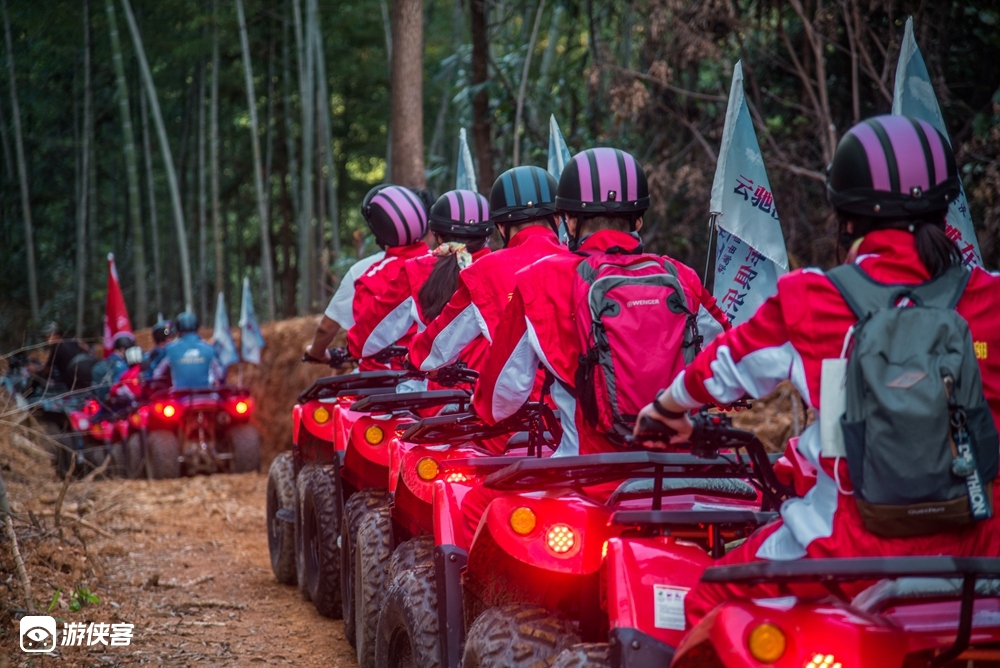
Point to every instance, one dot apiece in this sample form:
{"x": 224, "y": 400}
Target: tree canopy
{"x": 648, "y": 76}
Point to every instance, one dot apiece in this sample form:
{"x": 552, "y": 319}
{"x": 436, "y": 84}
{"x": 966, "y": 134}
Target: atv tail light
{"x": 91, "y": 407}
{"x": 242, "y": 407}
{"x": 823, "y": 661}
{"x": 560, "y": 539}
{"x": 374, "y": 435}
{"x": 165, "y": 409}
{"x": 767, "y": 643}
{"x": 427, "y": 469}
{"x": 169, "y": 411}
{"x": 523, "y": 521}
{"x": 457, "y": 476}
{"x": 321, "y": 415}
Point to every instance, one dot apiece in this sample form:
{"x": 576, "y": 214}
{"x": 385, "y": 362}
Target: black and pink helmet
{"x": 395, "y": 215}
{"x": 892, "y": 167}
{"x": 461, "y": 213}
{"x": 603, "y": 181}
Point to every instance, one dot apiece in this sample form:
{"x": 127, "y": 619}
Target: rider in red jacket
{"x": 382, "y": 309}
{"x": 535, "y": 328}
{"x": 890, "y": 183}
{"x": 525, "y": 216}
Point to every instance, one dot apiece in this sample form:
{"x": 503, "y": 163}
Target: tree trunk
{"x": 131, "y": 170}
{"x": 481, "y": 132}
{"x": 161, "y": 132}
{"x": 328, "y": 164}
{"x": 524, "y": 82}
{"x": 258, "y": 171}
{"x": 407, "y": 106}
{"x": 202, "y": 204}
{"x": 214, "y": 153}
{"x": 22, "y": 171}
{"x": 306, "y": 80}
{"x": 289, "y": 185}
{"x": 7, "y": 160}
{"x": 151, "y": 196}
{"x": 81, "y": 214}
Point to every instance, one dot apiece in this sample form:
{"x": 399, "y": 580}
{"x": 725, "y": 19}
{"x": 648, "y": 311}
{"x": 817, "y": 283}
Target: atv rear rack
{"x": 411, "y": 401}
{"x": 330, "y": 386}
{"x": 832, "y": 571}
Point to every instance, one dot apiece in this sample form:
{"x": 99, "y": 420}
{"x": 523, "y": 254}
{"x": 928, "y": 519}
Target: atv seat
{"x": 731, "y": 488}
{"x": 886, "y": 593}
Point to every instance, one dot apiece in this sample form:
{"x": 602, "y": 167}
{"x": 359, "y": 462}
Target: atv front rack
{"x": 832, "y": 571}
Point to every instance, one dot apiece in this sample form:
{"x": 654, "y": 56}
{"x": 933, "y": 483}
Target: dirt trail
{"x": 188, "y": 566}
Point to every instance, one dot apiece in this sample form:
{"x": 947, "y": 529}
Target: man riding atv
{"x": 192, "y": 364}
{"x": 70, "y": 359}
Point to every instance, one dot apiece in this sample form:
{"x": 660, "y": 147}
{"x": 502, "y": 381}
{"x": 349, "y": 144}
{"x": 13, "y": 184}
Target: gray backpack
{"x": 921, "y": 445}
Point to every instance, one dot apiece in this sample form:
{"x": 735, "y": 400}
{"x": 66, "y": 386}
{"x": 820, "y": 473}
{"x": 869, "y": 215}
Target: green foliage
{"x": 81, "y": 597}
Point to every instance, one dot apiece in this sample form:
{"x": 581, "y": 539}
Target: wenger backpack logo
{"x": 919, "y": 436}
{"x": 637, "y": 332}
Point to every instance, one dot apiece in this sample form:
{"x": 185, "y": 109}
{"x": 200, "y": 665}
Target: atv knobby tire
{"x": 135, "y": 457}
{"x": 517, "y": 636}
{"x": 584, "y": 655}
{"x": 356, "y": 507}
{"x": 244, "y": 439}
{"x": 414, "y": 553}
{"x": 163, "y": 451}
{"x": 300, "y": 550}
{"x": 281, "y": 534}
{"x": 408, "y": 624}
{"x": 320, "y": 527}
{"x": 371, "y": 572}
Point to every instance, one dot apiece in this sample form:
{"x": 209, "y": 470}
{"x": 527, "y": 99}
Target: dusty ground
{"x": 186, "y": 563}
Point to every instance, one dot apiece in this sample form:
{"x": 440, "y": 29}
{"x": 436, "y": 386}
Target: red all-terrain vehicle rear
{"x": 188, "y": 432}
{"x": 930, "y": 612}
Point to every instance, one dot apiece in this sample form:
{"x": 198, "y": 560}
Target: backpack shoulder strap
{"x": 945, "y": 290}
{"x": 862, "y": 294}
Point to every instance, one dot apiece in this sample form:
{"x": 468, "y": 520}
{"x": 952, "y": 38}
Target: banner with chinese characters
{"x": 914, "y": 96}
{"x": 750, "y": 252}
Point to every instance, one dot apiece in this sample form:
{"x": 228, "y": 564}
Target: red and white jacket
{"x": 465, "y": 327}
{"x": 537, "y": 327}
{"x": 383, "y": 306}
{"x": 789, "y": 337}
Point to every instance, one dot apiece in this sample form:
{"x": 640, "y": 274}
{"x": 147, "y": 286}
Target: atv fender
{"x": 448, "y": 529}
{"x": 366, "y": 460}
{"x": 646, "y": 580}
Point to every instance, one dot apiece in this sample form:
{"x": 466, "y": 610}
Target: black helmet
{"x": 521, "y": 194}
{"x": 395, "y": 215}
{"x": 461, "y": 213}
{"x": 186, "y": 322}
{"x": 892, "y": 167}
{"x": 162, "y": 331}
{"x": 603, "y": 181}
{"x": 123, "y": 341}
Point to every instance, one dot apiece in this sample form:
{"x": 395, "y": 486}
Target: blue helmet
{"x": 522, "y": 194}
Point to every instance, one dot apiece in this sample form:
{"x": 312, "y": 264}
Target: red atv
{"x": 187, "y": 432}
{"x": 920, "y": 611}
{"x": 534, "y": 577}
{"x": 98, "y": 432}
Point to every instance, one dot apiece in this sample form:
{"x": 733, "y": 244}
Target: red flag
{"x": 115, "y": 314}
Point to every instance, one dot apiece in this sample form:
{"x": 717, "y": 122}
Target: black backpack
{"x": 921, "y": 444}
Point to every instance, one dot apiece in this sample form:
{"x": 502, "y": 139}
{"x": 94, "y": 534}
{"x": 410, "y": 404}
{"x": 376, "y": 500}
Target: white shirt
{"x": 341, "y": 306}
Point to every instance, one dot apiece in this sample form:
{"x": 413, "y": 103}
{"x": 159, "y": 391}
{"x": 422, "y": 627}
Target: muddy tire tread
{"x": 410, "y": 608}
{"x": 517, "y": 636}
{"x": 318, "y": 503}
{"x": 584, "y": 655}
{"x": 374, "y": 554}
{"x": 355, "y": 508}
{"x": 162, "y": 451}
{"x": 281, "y": 535}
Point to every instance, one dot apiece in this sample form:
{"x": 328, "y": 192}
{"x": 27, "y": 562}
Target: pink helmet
{"x": 395, "y": 215}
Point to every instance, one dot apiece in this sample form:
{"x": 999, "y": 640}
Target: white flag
{"x": 750, "y": 253}
{"x": 222, "y": 337}
{"x": 465, "y": 173}
{"x": 251, "y": 340}
{"x": 914, "y": 96}
{"x": 559, "y": 153}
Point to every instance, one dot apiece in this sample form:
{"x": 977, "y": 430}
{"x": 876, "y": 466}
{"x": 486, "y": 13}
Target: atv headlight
{"x": 766, "y": 643}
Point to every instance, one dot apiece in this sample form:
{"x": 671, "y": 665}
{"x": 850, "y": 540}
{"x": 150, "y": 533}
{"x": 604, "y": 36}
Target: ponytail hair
{"x": 935, "y": 248}
{"x": 439, "y": 287}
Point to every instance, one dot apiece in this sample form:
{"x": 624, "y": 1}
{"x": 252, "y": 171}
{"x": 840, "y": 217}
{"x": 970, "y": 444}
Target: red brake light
{"x": 165, "y": 409}
{"x": 91, "y": 407}
{"x": 242, "y": 407}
